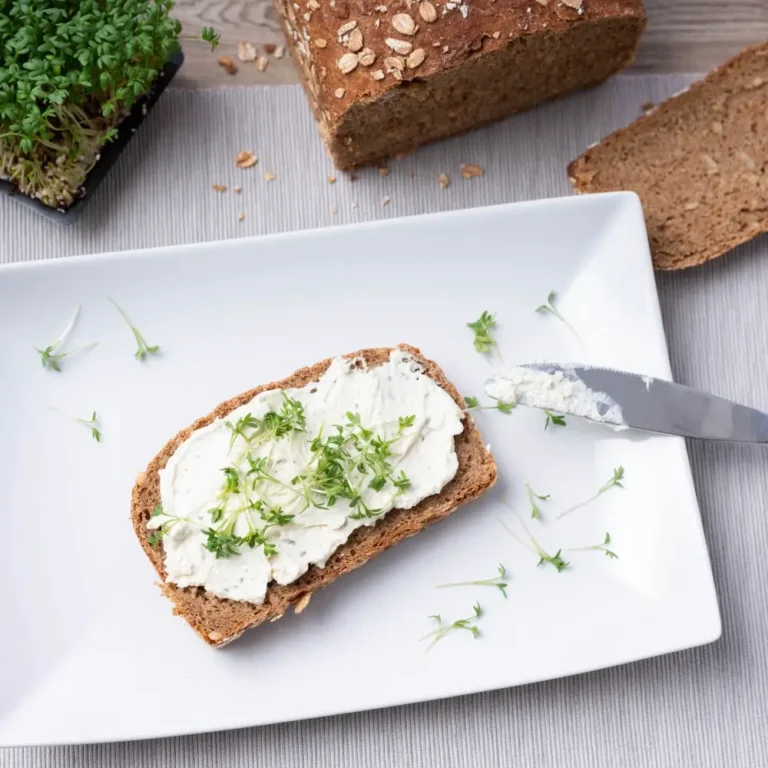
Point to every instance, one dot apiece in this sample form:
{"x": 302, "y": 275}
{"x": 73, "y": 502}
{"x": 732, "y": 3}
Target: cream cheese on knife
{"x": 284, "y": 480}
{"x": 559, "y": 391}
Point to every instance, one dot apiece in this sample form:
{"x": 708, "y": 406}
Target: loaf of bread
{"x": 219, "y": 621}
{"x": 385, "y": 76}
{"x": 699, "y": 163}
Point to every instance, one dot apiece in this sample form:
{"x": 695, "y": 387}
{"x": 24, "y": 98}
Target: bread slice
{"x": 698, "y": 161}
{"x": 219, "y": 621}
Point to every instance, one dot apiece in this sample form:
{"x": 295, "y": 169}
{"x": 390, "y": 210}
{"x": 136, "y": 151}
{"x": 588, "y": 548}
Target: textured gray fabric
{"x": 705, "y": 707}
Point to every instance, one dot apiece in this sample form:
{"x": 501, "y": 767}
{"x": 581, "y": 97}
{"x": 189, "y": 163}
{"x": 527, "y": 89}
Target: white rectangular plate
{"x": 90, "y": 650}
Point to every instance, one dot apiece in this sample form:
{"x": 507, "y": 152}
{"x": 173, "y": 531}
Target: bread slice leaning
{"x": 698, "y": 161}
{"x": 218, "y": 620}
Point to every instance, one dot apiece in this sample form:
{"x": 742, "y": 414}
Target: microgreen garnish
{"x": 239, "y": 499}
{"x": 273, "y": 425}
{"x": 614, "y": 482}
{"x": 143, "y": 349}
{"x": 533, "y": 498}
{"x": 473, "y": 404}
{"x": 483, "y": 327}
{"x": 223, "y": 540}
{"x": 50, "y": 356}
{"x": 550, "y": 308}
{"x": 401, "y": 482}
{"x": 92, "y": 423}
{"x": 602, "y": 547}
{"x": 469, "y": 624}
{"x": 207, "y": 35}
{"x": 556, "y": 560}
{"x": 222, "y": 543}
{"x": 555, "y": 419}
{"x": 164, "y": 527}
{"x": 497, "y": 581}
{"x": 231, "y": 480}
{"x": 349, "y": 460}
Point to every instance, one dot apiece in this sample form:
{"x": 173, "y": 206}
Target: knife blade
{"x": 627, "y": 400}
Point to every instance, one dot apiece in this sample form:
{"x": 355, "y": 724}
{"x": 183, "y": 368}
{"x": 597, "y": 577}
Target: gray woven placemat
{"x": 705, "y": 707}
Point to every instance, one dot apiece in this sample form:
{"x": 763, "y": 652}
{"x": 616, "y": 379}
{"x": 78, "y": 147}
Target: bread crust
{"x": 218, "y": 620}
{"x": 530, "y": 46}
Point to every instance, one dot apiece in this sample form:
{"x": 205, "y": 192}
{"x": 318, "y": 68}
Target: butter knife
{"x": 628, "y": 401}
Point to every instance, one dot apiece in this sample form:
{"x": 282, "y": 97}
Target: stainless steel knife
{"x": 626, "y": 400}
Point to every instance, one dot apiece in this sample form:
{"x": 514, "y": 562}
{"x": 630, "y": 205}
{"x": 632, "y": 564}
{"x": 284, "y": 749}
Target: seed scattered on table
{"x": 443, "y": 181}
{"x": 246, "y": 159}
{"x": 262, "y": 62}
{"x": 468, "y": 171}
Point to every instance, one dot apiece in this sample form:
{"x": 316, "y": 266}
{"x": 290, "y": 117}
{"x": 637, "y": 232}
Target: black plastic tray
{"x": 109, "y": 153}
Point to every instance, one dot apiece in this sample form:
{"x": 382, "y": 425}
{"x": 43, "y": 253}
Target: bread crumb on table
{"x": 240, "y": 216}
{"x": 219, "y": 187}
{"x": 302, "y": 602}
{"x": 269, "y": 176}
{"x": 228, "y": 65}
{"x": 443, "y": 180}
{"x": 385, "y": 200}
{"x": 245, "y": 51}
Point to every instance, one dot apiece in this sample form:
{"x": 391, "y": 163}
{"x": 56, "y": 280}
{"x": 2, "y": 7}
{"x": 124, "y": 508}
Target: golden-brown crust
{"x": 697, "y": 163}
{"x": 219, "y": 621}
{"x": 448, "y": 42}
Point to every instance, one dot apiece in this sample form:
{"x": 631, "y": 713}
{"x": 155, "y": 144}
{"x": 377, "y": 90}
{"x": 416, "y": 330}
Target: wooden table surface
{"x": 682, "y": 36}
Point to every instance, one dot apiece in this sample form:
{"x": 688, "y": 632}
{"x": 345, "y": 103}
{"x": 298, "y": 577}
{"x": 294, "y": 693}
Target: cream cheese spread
{"x": 556, "y": 392}
{"x": 284, "y": 480}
